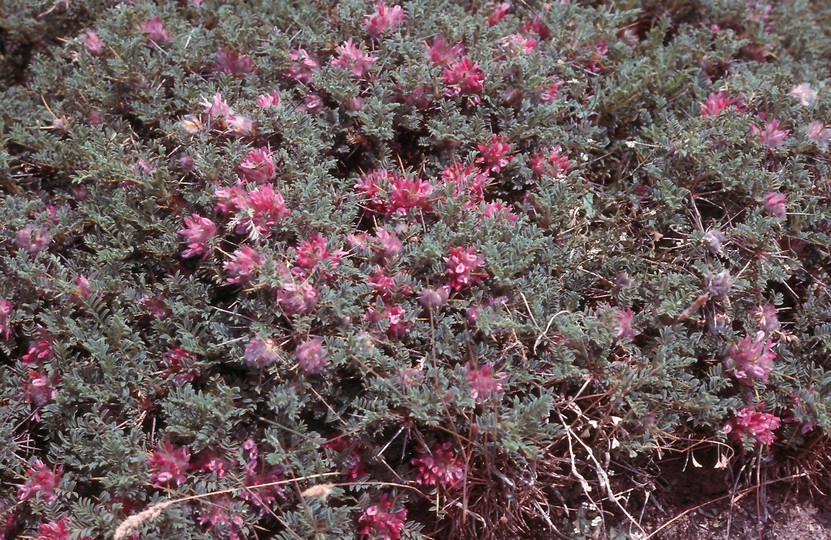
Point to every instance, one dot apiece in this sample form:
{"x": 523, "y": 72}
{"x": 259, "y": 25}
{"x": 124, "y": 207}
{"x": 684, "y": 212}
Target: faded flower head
{"x": 713, "y": 239}
{"x": 311, "y": 355}
{"x": 32, "y": 239}
{"x": 168, "y": 464}
{"x": 434, "y": 298}
{"x": 770, "y": 134}
{"x": 751, "y": 423}
{"x": 751, "y": 359}
{"x": 233, "y": 63}
{"x": 818, "y": 133}
{"x": 261, "y": 352}
{"x": 441, "y": 467}
{"x": 718, "y": 285}
{"x": 806, "y": 95}
{"x": 93, "y": 43}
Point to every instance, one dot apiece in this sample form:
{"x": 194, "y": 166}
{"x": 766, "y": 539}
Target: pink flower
{"x": 312, "y": 103}
{"x": 156, "y": 306}
{"x": 39, "y": 389}
{"x": 441, "y": 53}
{"x": 750, "y": 359}
{"x": 387, "y": 244}
{"x": 267, "y": 101}
{"x": 310, "y": 253}
{"x": 463, "y": 267}
{"x": 551, "y": 92}
{"x": 434, "y": 298}
{"x": 384, "y": 19}
{"x": 42, "y": 481}
{"x": 469, "y": 183}
{"x": 260, "y": 353}
{"x": 407, "y": 194}
{"x": 244, "y": 265}
{"x": 39, "y": 350}
{"x": 258, "y": 166}
{"x": 499, "y": 13}
{"x": 233, "y": 63}
{"x": 379, "y": 523}
{"x": 549, "y": 162}
{"x": 498, "y": 211}
{"x": 495, "y": 156}
{"x": 771, "y": 135}
{"x": 93, "y": 43}
{"x": 623, "y": 324}
{"x": 536, "y": 26}
{"x": 353, "y": 59}
{"x": 818, "y": 133}
{"x": 199, "y": 233}
{"x": 440, "y": 467}
{"x": 463, "y": 78}
{"x": 81, "y": 290}
{"x": 217, "y": 108}
{"x": 156, "y": 31}
{"x": 209, "y": 462}
{"x": 179, "y": 365}
{"x": 260, "y": 210}
{"x": 311, "y": 355}
{"x": 33, "y": 239}
{"x": 216, "y": 514}
{"x": 374, "y": 185}
{"x": 294, "y": 298}
{"x": 304, "y": 66}
{"x": 5, "y": 318}
{"x": 806, "y": 95}
{"x": 516, "y": 44}
{"x": 168, "y": 465}
{"x": 483, "y": 383}
{"x": 263, "y": 497}
{"x": 774, "y": 204}
{"x": 715, "y": 103}
{"x": 751, "y": 423}
{"x": 766, "y": 318}
{"x": 55, "y": 530}
{"x": 349, "y": 451}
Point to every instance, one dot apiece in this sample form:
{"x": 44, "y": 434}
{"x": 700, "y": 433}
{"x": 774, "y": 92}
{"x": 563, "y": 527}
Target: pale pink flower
{"x": 42, "y": 481}
{"x": 751, "y": 423}
{"x": 261, "y": 352}
{"x": 312, "y": 103}
{"x": 440, "y": 467}
{"x": 258, "y": 166}
{"x": 379, "y": 523}
{"x": 623, "y": 324}
{"x": 770, "y": 135}
{"x": 516, "y": 44}
{"x": 464, "y": 267}
{"x": 500, "y": 11}
{"x": 311, "y": 355}
{"x": 806, "y": 95}
{"x": 353, "y": 59}
{"x": 168, "y": 464}
{"x": 32, "y": 239}
{"x": 774, "y": 204}
{"x": 751, "y": 359}
{"x": 216, "y": 514}
{"x": 156, "y": 31}
{"x": 294, "y": 298}
{"x": 820, "y": 134}
{"x": 498, "y": 211}
{"x": 267, "y": 101}
{"x": 244, "y": 265}
{"x": 239, "y": 125}
{"x": 495, "y": 156}
{"x": 233, "y": 63}
{"x": 483, "y": 383}
{"x": 441, "y": 53}
{"x": 766, "y": 318}
{"x": 551, "y": 92}
{"x": 93, "y": 43}
{"x": 304, "y": 66}
{"x": 199, "y": 233}
{"x": 383, "y": 19}
{"x": 217, "y": 108}
{"x": 387, "y": 244}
